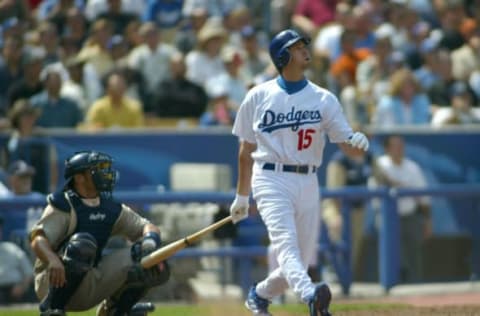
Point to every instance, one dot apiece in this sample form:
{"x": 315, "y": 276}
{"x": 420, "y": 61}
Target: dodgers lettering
{"x": 293, "y": 119}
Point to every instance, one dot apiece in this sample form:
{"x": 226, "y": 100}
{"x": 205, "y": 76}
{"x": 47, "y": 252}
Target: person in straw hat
{"x": 205, "y": 62}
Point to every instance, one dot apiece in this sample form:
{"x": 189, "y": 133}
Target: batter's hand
{"x": 358, "y": 140}
{"x": 239, "y": 208}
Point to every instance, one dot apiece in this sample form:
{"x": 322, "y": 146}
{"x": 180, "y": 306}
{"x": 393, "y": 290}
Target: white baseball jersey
{"x": 290, "y": 128}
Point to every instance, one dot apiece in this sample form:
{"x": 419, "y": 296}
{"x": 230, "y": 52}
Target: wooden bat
{"x": 169, "y": 250}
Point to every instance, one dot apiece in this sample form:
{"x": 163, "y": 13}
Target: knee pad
{"x": 80, "y": 253}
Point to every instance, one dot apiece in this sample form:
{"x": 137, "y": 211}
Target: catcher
{"x": 71, "y": 272}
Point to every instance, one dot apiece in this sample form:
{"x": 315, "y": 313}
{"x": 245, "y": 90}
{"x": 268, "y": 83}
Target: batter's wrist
{"x": 243, "y": 199}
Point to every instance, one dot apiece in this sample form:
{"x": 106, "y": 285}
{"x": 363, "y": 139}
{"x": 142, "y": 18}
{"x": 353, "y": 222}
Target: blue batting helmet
{"x": 280, "y": 44}
{"x": 100, "y": 166}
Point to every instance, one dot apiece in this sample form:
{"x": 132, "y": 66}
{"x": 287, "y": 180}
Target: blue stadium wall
{"x": 144, "y": 160}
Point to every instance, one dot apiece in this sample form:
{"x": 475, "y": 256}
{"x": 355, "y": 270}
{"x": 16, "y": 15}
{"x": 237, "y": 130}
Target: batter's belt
{"x": 303, "y": 169}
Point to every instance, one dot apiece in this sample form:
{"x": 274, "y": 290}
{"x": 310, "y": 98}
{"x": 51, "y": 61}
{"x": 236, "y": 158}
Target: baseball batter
{"x": 281, "y": 126}
{"x": 72, "y": 273}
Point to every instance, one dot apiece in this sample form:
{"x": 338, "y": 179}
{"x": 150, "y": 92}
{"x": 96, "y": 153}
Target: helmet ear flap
{"x": 283, "y": 58}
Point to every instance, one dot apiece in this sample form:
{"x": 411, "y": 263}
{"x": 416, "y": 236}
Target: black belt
{"x": 304, "y": 169}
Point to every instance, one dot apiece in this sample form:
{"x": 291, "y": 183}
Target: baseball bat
{"x": 169, "y": 250}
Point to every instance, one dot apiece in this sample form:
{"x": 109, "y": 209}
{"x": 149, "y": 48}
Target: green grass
{"x": 231, "y": 309}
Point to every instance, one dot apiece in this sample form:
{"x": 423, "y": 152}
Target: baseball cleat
{"x": 319, "y": 303}
{"x": 257, "y": 305}
{"x": 141, "y": 309}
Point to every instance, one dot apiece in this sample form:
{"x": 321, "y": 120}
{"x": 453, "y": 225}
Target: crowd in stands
{"x": 97, "y": 64}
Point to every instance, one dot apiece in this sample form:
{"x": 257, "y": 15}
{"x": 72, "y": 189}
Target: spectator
{"x": 186, "y": 38}
{"x": 231, "y": 78}
{"x": 16, "y": 273}
{"x": 311, "y": 15}
{"x": 204, "y": 62}
{"x": 56, "y": 110}
{"x": 20, "y": 179}
{"x": 179, "y": 97}
{"x": 48, "y": 40}
{"x": 26, "y": 143}
{"x": 282, "y": 10}
{"x": 462, "y": 109}
{"x": 94, "y": 8}
{"x": 233, "y": 21}
{"x": 396, "y": 170}
{"x": 152, "y": 58}
{"x": 440, "y": 91}
{"x": 95, "y": 50}
{"x": 343, "y": 69}
{"x": 15, "y": 9}
{"x": 214, "y": 8}
{"x": 76, "y": 27}
{"x": 358, "y": 169}
{"x": 10, "y": 69}
{"x": 118, "y": 18}
{"x": 30, "y": 84}
{"x": 466, "y": 59}
{"x": 56, "y": 11}
{"x": 166, "y": 14}
{"x": 405, "y": 103}
{"x": 326, "y": 44}
{"x": 119, "y": 51}
{"x": 115, "y": 109}
{"x": 221, "y": 111}
{"x": 256, "y": 59}
{"x": 74, "y": 87}
{"x": 372, "y": 75}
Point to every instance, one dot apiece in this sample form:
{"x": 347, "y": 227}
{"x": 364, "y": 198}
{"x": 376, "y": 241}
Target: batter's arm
{"x": 245, "y": 165}
{"x": 240, "y": 205}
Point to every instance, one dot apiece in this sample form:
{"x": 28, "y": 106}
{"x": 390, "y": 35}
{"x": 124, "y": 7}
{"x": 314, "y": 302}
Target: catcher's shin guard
{"x": 78, "y": 258}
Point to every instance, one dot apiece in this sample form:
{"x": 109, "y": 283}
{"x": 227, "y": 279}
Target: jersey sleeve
{"x": 243, "y": 125}
{"x": 337, "y": 127}
{"x": 53, "y": 224}
{"x": 129, "y": 224}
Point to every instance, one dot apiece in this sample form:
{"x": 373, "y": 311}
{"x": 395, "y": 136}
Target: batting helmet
{"x": 280, "y": 44}
{"x": 99, "y": 164}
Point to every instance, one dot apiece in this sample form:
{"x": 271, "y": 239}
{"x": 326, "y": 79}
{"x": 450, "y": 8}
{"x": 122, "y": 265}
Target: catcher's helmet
{"x": 280, "y": 44}
{"x": 100, "y": 166}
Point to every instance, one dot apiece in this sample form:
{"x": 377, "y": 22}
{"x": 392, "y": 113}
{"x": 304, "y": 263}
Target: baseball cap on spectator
{"x": 20, "y": 168}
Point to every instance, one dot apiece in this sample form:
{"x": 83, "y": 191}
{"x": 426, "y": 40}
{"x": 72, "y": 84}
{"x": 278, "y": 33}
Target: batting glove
{"x": 358, "y": 140}
{"x": 239, "y": 208}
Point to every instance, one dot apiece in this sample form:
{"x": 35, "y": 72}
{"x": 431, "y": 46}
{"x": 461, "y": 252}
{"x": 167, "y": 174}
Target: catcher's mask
{"x": 99, "y": 164}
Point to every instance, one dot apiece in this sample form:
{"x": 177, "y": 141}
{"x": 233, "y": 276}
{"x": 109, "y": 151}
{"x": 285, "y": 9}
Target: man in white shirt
{"x": 415, "y": 221}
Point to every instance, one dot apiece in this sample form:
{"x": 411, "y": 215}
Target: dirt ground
{"x": 467, "y": 304}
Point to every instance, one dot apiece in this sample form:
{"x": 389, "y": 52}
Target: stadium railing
{"x": 388, "y": 230}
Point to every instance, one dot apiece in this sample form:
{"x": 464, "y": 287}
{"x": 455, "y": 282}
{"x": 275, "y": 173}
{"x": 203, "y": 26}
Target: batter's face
{"x": 299, "y": 55}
